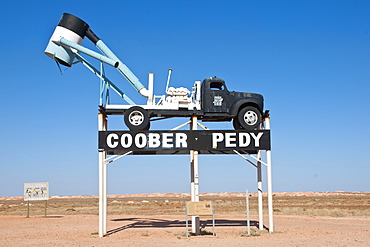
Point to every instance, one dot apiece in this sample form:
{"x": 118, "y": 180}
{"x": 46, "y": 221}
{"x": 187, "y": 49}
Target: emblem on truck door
{"x": 217, "y": 101}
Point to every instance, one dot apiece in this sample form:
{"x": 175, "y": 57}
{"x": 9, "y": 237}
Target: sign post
{"x": 36, "y": 192}
{"x": 194, "y": 167}
{"x": 102, "y": 125}
{"x": 247, "y": 208}
{"x": 28, "y": 209}
{"x": 269, "y": 183}
{"x": 199, "y": 208}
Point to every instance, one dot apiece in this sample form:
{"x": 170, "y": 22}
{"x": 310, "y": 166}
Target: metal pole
{"x": 213, "y": 220}
{"x": 123, "y": 69}
{"x": 269, "y": 183}
{"x": 45, "y": 209}
{"x": 259, "y": 188}
{"x": 105, "y": 167}
{"x": 103, "y": 77}
{"x": 151, "y": 100}
{"x": 28, "y": 209}
{"x": 194, "y": 166}
{"x": 101, "y": 195}
{"x": 187, "y": 224}
{"x": 247, "y": 207}
{"x": 112, "y": 62}
{"x": 105, "y": 194}
{"x": 102, "y": 126}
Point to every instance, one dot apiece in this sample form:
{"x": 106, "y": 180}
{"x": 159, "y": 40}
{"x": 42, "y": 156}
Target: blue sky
{"x": 310, "y": 60}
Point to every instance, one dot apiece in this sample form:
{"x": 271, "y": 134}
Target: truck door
{"x": 216, "y": 96}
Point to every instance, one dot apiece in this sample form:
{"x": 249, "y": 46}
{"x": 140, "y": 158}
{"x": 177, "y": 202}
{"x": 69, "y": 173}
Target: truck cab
{"x": 220, "y": 104}
{"x": 214, "y": 95}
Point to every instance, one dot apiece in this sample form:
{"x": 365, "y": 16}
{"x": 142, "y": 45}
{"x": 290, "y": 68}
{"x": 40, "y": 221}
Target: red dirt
{"x": 80, "y": 230}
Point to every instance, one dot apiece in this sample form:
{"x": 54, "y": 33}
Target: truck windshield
{"x": 217, "y": 85}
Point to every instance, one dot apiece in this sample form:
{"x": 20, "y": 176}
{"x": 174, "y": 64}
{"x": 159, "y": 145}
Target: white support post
{"x": 194, "y": 167}
{"x": 102, "y": 126}
{"x": 269, "y": 183}
{"x": 259, "y": 189}
{"x": 247, "y": 208}
{"x": 150, "y": 89}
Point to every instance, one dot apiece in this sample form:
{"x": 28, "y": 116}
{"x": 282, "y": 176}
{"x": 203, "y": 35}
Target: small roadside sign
{"x": 36, "y": 191}
{"x": 203, "y": 208}
{"x": 200, "y": 208}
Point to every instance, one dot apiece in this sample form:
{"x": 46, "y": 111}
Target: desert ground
{"x": 300, "y": 219}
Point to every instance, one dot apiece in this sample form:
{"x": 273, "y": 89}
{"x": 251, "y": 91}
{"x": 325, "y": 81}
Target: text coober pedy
{"x": 183, "y": 141}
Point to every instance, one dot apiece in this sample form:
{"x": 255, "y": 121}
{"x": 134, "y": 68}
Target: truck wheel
{"x": 136, "y": 118}
{"x": 236, "y": 124}
{"x": 249, "y": 117}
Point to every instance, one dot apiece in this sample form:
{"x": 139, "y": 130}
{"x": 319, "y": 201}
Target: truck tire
{"x": 249, "y": 117}
{"x": 136, "y": 118}
{"x": 236, "y": 124}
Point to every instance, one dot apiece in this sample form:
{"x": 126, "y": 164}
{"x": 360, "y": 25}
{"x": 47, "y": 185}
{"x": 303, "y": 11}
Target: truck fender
{"x": 234, "y": 109}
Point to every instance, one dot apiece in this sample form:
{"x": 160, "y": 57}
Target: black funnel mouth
{"x": 74, "y": 24}
{"x": 77, "y": 26}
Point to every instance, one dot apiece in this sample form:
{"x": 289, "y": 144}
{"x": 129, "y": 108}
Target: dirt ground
{"x": 139, "y": 230}
{"x": 334, "y": 219}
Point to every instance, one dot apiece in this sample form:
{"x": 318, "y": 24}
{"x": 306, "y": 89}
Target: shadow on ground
{"x": 146, "y": 223}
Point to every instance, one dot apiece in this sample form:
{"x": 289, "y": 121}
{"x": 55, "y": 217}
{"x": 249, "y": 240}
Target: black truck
{"x": 215, "y": 104}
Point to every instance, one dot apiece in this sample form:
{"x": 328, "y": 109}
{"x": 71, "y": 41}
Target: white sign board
{"x": 36, "y": 191}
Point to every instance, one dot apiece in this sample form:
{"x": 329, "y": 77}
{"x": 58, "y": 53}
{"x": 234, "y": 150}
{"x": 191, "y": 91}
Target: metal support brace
{"x": 257, "y": 159}
{"x": 112, "y": 62}
{"x": 122, "y": 68}
{"x": 116, "y": 157}
{"x": 103, "y": 77}
{"x": 103, "y": 86}
{"x": 182, "y": 125}
{"x": 202, "y": 126}
{"x": 245, "y": 158}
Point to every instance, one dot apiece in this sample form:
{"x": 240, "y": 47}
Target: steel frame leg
{"x": 194, "y": 167}
{"x": 259, "y": 191}
{"x": 102, "y": 126}
{"x": 269, "y": 183}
